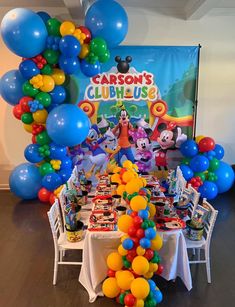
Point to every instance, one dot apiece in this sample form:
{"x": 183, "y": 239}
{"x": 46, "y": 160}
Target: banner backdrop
{"x": 140, "y": 106}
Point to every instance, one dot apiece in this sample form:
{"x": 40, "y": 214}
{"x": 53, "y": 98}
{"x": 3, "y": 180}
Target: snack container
{"x": 193, "y": 233}
{"x": 121, "y": 210}
{"x": 182, "y": 211}
{"x": 75, "y": 235}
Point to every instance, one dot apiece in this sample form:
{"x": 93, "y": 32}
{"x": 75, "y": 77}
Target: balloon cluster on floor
{"x": 51, "y": 52}
{"x": 131, "y": 268}
{"x": 203, "y": 169}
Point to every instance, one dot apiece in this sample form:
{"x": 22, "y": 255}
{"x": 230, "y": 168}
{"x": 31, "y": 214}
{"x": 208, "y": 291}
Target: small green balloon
{"x": 51, "y": 56}
{"x": 151, "y": 224}
{"x": 127, "y": 264}
{"x": 186, "y": 161}
{"x": 29, "y": 90}
{"x": 43, "y": 138}
{"x": 45, "y": 169}
{"x": 201, "y": 175}
{"x": 44, "y": 99}
{"x": 27, "y": 118}
{"x": 144, "y": 225}
{"x": 98, "y": 46}
{"x": 121, "y": 298}
{"x": 46, "y": 70}
{"x": 154, "y": 259}
{"x": 214, "y": 164}
{"x": 104, "y": 57}
{"x": 53, "y": 27}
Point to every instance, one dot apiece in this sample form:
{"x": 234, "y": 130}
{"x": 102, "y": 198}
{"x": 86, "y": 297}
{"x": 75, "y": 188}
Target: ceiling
{"x": 184, "y": 9}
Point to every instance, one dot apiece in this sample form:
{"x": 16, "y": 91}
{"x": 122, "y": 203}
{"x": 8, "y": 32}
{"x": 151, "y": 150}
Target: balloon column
{"x": 131, "y": 268}
{"x": 203, "y": 169}
{"x": 51, "y": 51}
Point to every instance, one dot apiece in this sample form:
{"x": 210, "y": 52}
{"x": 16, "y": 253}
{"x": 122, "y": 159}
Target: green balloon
{"x": 214, "y": 164}
{"x": 29, "y": 90}
{"x": 92, "y": 58}
{"x": 121, "y": 298}
{"x": 211, "y": 176}
{"x": 151, "y": 224}
{"x": 45, "y": 169}
{"x": 124, "y": 195}
{"x": 27, "y": 118}
{"x": 51, "y": 56}
{"x": 186, "y": 161}
{"x": 46, "y": 70}
{"x": 98, "y": 46}
{"x": 144, "y": 225}
{"x": 201, "y": 175}
{"x": 44, "y": 99}
{"x": 104, "y": 57}
{"x": 127, "y": 264}
{"x": 154, "y": 259}
{"x": 53, "y": 27}
{"x": 43, "y": 138}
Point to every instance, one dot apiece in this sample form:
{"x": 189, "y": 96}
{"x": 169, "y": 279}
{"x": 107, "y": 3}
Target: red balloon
{"x": 24, "y": 103}
{"x": 136, "y": 241}
{"x": 137, "y": 221}
{"x": 129, "y": 300}
{"x": 17, "y": 111}
{"x": 140, "y": 233}
{"x": 130, "y": 258}
{"x": 111, "y": 273}
{"x": 206, "y": 144}
{"x": 160, "y": 269}
{"x": 34, "y": 139}
{"x": 132, "y": 252}
{"x": 87, "y": 33}
{"x": 44, "y": 195}
{"x": 149, "y": 254}
{"x": 134, "y": 214}
{"x": 132, "y": 231}
{"x": 52, "y": 198}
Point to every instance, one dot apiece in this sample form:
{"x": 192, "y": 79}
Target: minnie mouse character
{"x": 143, "y": 148}
{"x": 171, "y": 137}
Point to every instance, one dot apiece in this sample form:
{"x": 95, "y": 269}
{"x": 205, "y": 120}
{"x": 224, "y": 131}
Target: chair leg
{"x": 208, "y": 267}
{"x": 55, "y": 268}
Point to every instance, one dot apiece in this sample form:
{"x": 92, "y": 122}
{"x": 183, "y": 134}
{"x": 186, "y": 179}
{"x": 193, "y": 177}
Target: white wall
{"x": 216, "y": 110}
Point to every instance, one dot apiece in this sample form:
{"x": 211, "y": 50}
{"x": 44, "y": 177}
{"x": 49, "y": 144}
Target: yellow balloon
{"x": 110, "y": 287}
{"x": 124, "y": 222}
{"x": 152, "y": 210}
{"x": 144, "y": 181}
{"x": 67, "y": 28}
{"x": 28, "y": 128}
{"x": 117, "y": 169}
{"x": 121, "y": 189}
{"x": 139, "y": 303}
{"x": 84, "y": 51}
{"x": 140, "y": 288}
{"x": 124, "y": 280}
{"x": 199, "y": 138}
{"x": 148, "y": 275}
{"x": 116, "y": 178}
{"x": 40, "y": 116}
{"x": 156, "y": 244}
{"x": 138, "y": 203}
{"x": 127, "y": 176}
{"x": 140, "y": 251}
{"x": 140, "y": 265}
{"x": 127, "y": 164}
{"x": 48, "y": 84}
{"x": 58, "y": 76}
{"x": 114, "y": 261}
{"x": 132, "y": 186}
{"x": 153, "y": 267}
{"x": 122, "y": 251}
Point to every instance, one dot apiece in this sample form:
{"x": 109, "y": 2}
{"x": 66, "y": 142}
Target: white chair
{"x": 194, "y": 199}
{"x": 204, "y": 244}
{"x": 60, "y": 241}
{"x": 62, "y": 203}
{"x": 180, "y": 182}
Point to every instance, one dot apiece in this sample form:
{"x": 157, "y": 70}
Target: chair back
{"x": 62, "y": 203}
{"x": 55, "y": 222}
{"x": 194, "y": 199}
{"x": 180, "y": 182}
{"x": 210, "y": 223}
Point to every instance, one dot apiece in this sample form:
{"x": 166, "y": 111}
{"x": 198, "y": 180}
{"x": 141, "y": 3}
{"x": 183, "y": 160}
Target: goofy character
{"x": 121, "y": 131}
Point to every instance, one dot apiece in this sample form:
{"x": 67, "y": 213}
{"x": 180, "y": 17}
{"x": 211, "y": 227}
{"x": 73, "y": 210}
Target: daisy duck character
{"x": 143, "y": 148}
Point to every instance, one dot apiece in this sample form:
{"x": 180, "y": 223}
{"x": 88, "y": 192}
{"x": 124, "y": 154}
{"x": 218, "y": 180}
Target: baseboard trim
{"x": 4, "y": 186}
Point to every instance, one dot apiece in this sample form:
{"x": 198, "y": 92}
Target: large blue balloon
{"x": 208, "y": 190}
{"x": 90, "y": 70}
{"x": 69, "y": 46}
{"x": 67, "y": 125}
{"x": 219, "y": 151}
{"x": 65, "y": 174}
{"x": 57, "y": 152}
{"x": 199, "y": 164}
{"x": 58, "y": 95}
{"x": 44, "y": 15}
{"x": 186, "y": 171}
{"x": 31, "y": 153}
{"x": 189, "y": 148}
{"x": 24, "y": 32}
{"x": 11, "y": 86}
{"x": 225, "y": 177}
{"x": 66, "y": 162}
{"x": 25, "y": 181}
{"x": 28, "y": 69}
{"x": 51, "y": 181}
{"x": 69, "y": 65}
{"x": 107, "y": 19}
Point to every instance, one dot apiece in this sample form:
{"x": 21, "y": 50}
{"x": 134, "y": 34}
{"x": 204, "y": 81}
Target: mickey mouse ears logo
{"x": 123, "y": 65}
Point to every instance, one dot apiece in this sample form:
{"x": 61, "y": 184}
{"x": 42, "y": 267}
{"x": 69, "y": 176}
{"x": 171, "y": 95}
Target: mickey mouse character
{"x": 123, "y": 65}
{"x": 171, "y": 137}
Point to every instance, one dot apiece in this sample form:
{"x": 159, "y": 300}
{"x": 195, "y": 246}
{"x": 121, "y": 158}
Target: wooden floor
{"x": 26, "y": 263}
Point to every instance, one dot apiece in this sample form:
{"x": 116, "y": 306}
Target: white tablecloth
{"x": 98, "y": 245}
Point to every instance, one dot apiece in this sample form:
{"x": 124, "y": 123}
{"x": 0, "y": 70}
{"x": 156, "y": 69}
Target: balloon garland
{"x": 203, "y": 169}
{"x": 131, "y": 268}
{"x": 51, "y": 51}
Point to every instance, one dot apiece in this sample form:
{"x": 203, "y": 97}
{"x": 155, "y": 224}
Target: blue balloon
{"x": 150, "y": 233}
{"x": 145, "y": 243}
{"x": 58, "y": 95}
{"x": 143, "y": 214}
{"x": 65, "y": 174}
{"x": 44, "y": 15}
{"x": 51, "y": 107}
{"x": 129, "y": 211}
{"x": 186, "y": 171}
{"x": 157, "y": 294}
{"x": 25, "y": 181}
{"x": 208, "y": 190}
{"x": 67, "y": 125}
{"x": 31, "y": 153}
{"x": 28, "y": 69}
{"x": 127, "y": 244}
{"x": 57, "y": 152}
{"x": 107, "y": 19}
{"x": 152, "y": 284}
{"x": 225, "y": 177}
{"x": 24, "y": 32}
{"x": 69, "y": 65}
{"x": 219, "y": 152}
{"x": 69, "y": 46}
{"x": 90, "y": 70}
{"x": 11, "y": 85}
{"x": 189, "y": 148}
{"x": 51, "y": 181}
{"x": 66, "y": 162}
{"x": 199, "y": 164}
